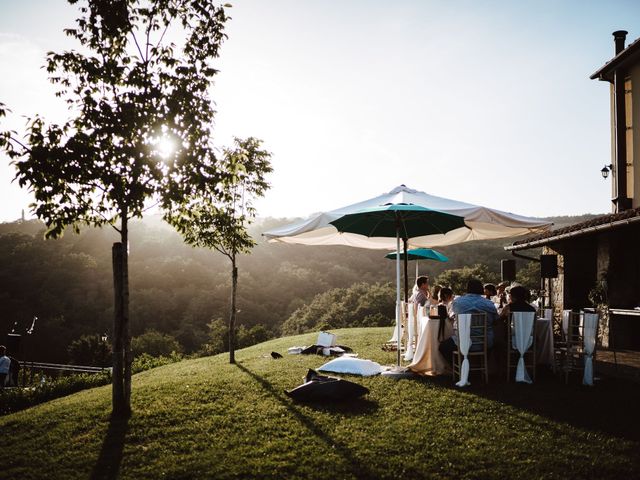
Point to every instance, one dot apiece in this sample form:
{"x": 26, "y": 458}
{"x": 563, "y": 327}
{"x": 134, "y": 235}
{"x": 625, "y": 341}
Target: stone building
{"x": 601, "y": 257}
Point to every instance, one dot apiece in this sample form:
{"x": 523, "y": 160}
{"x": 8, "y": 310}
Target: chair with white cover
{"x": 577, "y": 349}
{"x": 393, "y": 343}
{"x": 521, "y": 342}
{"x": 590, "y": 334}
{"x": 471, "y": 330}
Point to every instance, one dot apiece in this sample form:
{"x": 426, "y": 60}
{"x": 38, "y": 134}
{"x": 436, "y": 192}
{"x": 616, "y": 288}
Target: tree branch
{"x": 135, "y": 40}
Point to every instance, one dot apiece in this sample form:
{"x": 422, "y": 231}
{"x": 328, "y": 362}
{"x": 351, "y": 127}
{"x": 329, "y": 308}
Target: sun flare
{"x": 165, "y": 147}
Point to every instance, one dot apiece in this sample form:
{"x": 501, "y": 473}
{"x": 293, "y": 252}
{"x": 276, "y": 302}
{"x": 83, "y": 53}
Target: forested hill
{"x": 177, "y": 289}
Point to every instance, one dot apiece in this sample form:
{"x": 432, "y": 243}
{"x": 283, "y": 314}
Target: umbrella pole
{"x": 406, "y": 276}
{"x": 398, "y": 308}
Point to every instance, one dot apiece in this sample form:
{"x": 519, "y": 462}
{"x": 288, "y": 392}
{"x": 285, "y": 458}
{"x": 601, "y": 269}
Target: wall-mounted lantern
{"x": 605, "y": 170}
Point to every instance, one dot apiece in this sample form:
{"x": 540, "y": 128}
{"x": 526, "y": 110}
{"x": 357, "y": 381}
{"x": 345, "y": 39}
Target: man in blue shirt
{"x": 473, "y": 302}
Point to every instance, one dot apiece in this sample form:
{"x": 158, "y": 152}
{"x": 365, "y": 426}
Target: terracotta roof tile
{"x": 604, "y": 219}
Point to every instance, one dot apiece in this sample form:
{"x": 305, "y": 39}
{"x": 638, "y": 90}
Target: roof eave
{"x": 629, "y": 55}
{"x": 584, "y": 231}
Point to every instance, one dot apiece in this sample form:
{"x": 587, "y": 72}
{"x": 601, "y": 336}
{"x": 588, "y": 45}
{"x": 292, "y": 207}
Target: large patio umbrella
{"x": 482, "y": 223}
{"x": 399, "y": 221}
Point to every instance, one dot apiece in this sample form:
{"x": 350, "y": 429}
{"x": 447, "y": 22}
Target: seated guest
{"x": 435, "y": 295}
{"x": 518, "y": 302}
{"x": 518, "y": 298}
{"x": 502, "y": 294}
{"x": 445, "y": 311}
{"x": 490, "y": 291}
{"x": 421, "y": 292}
{"x": 472, "y": 302}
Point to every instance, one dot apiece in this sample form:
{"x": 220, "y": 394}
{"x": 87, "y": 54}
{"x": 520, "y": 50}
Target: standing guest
{"x": 14, "y": 372}
{"x": 421, "y": 292}
{"x": 472, "y": 302}
{"x": 5, "y": 363}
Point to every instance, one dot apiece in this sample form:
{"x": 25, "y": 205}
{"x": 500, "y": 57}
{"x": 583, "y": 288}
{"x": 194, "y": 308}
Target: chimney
{"x": 619, "y": 36}
{"x": 621, "y": 200}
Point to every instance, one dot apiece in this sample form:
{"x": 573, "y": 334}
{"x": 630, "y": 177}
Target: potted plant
{"x": 600, "y": 301}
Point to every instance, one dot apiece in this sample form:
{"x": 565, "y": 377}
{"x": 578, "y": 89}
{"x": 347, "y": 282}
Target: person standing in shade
{"x": 5, "y": 363}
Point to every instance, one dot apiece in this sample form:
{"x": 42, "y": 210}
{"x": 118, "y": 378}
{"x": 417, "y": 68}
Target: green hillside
{"x": 179, "y": 291}
{"x": 205, "y": 418}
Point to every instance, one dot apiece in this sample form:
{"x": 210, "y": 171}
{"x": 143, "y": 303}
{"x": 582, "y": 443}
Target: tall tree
{"x": 219, "y": 221}
{"x": 138, "y": 82}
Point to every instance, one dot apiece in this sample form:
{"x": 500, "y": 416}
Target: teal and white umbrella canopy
{"x": 482, "y": 223}
{"x": 419, "y": 254}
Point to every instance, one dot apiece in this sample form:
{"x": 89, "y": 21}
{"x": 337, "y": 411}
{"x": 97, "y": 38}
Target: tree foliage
{"x": 155, "y": 344}
{"x": 178, "y": 290}
{"x": 126, "y": 88}
{"x": 219, "y": 221}
{"x": 457, "y": 279}
{"x": 218, "y": 336}
{"x": 90, "y": 350}
{"x": 360, "y": 305}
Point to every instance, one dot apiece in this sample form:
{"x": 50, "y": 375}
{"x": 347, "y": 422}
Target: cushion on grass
{"x": 355, "y": 366}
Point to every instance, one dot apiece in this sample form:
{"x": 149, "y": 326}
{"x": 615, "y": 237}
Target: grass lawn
{"x": 205, "y": 418}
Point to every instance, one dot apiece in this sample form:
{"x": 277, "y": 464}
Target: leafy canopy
{"x": 130, "y": 89}
{"x": 219, "y": 221}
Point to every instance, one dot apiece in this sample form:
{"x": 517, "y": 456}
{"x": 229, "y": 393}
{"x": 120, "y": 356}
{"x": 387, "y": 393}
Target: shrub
{"x": 155, "y": 344}
{"x": 14, "y": 399}
{"x": 90, "y": 350}
{"x": 146, "y": 361}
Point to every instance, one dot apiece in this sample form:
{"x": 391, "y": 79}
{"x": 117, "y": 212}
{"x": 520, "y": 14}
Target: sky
{"x": 482, "y": 101}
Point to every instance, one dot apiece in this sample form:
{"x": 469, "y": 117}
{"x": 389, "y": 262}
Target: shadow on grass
{"x": 608, "y": 407}
{"x": 356, "y": 407}
{"x": 107, "y": 466}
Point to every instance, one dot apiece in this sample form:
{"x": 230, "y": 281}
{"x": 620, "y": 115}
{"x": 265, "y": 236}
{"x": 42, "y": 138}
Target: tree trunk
{"x": 232, "y": 315}
{"x": 117, "y": 375}
{"x": 126, "y": 336}
{"x": 121, "y": 377}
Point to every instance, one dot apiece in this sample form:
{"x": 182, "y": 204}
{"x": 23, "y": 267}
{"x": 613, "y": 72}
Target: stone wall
{"x": 554, "y": 296}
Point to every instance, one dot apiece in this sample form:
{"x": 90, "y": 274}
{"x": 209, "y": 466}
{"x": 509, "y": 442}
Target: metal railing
{"x": 63, "y": 368}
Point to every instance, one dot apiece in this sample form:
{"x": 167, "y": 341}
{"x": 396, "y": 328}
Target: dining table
{"x": 427, "y": 359}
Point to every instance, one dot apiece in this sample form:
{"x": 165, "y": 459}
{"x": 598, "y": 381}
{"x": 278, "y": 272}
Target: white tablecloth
{"x": 427, "y": 360}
